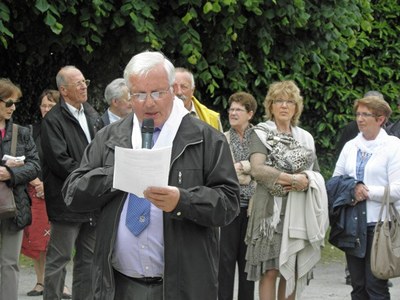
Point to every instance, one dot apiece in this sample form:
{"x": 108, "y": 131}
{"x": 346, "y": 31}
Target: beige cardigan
{"x": 304, "y": 228}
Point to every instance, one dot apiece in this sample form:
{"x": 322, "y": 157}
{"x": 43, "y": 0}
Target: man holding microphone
{"x": 173, "y": 251}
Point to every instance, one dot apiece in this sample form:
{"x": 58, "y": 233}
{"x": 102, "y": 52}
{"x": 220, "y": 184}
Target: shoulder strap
{"x": 228, "y": 136}
{"x": 14, "y": 139}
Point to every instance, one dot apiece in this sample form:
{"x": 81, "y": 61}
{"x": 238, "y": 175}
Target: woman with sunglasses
{"x": 16, "y": 174}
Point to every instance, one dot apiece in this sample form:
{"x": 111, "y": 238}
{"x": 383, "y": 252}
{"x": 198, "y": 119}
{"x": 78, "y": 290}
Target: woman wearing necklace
{"x": 290, "y": 192}
{"x": 372, "y": 158}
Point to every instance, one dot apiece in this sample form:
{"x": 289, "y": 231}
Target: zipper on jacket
{"x": 180, "y": 153}
{"x": 112, "y": 241}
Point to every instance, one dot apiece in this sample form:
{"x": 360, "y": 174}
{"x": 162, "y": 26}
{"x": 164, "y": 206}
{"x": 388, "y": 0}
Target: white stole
{"x": 168, "y": 131}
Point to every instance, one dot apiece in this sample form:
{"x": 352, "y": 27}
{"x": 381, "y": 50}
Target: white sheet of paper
{"x": 137, "y": 169}
{"x": 18, "y": 158}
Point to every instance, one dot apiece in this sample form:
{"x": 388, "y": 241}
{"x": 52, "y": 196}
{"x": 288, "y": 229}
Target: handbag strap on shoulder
{"x": 385, "y": 203}
{"x": 14, "y": 137}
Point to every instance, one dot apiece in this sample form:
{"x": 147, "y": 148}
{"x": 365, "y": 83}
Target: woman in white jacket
{"x": 372, "y": 157}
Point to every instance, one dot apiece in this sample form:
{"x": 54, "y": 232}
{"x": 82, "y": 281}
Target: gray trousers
{"x": 64, "y": 238}
{"x": 10, "y": 247}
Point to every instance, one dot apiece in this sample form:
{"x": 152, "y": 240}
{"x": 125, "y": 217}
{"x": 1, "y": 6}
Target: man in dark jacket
{"x": 394, "y": 128}
{"x": 176, "y": 256}
{"x": 66, "y": 131}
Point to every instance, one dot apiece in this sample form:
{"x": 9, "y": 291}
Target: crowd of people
{"x": 250, "y": 199}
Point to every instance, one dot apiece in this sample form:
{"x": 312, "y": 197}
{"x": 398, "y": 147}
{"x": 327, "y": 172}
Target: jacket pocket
{"x": 186, "y": 178}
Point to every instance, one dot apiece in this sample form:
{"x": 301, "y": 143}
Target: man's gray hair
{"x": 114, "y": 90}
{"x": 60, "y": 79}
{"x": 183, "y": 70}
{"x": 374, "y": 93}
{"x": 141, "y": 64}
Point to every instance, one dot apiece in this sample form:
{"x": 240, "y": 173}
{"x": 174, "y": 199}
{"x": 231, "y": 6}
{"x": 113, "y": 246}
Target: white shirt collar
{"x": 74, "y": 110}
{"x": 113, "y": 117}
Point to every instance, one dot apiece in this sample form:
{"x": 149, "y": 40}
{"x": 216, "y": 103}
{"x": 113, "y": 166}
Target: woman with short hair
{"x": 242, "y": 108}
{"x": 16, "y": 174}
{"x": 372, "y": 159}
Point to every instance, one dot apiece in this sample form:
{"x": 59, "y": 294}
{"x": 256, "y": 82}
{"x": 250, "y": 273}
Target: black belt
{"x": 144, "y": 280}
{"x": 148, "y": 280}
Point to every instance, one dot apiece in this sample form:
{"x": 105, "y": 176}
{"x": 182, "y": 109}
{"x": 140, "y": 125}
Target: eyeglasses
{"x": 157, "y": 95}
{"x": 9, "y": 102}
{"x": 287, "y": 102}
{"x": 81, "y": 83}
{"x": 232, "y": 110}
{"x": 365, "y": 115}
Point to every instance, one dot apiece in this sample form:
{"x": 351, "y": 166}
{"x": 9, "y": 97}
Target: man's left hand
{"x": 165, "y": 198}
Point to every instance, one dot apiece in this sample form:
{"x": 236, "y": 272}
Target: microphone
{"x": 147, "y": 133}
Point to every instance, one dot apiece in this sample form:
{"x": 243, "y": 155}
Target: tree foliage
{"x": 334, "y": 49}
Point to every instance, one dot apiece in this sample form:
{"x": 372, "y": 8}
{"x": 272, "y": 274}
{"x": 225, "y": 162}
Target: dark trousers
{"x": 365, "y": 285}
{"x": 233, "y": 250}
{"x": 128, "y": 289}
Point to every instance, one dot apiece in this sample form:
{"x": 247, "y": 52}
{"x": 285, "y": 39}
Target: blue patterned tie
{"x": 138, "y": 214}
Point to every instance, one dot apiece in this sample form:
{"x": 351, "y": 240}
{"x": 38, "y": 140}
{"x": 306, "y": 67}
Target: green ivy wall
{"x": 334, "y": 50}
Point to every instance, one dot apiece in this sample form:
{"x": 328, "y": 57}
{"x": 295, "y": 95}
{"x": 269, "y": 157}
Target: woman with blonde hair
{"x": 289, "y": 215}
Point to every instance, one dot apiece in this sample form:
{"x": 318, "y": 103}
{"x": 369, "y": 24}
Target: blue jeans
{"x": 365, "y": 285}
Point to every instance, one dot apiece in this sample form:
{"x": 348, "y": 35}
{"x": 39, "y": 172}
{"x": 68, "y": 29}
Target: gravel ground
{"x": 27, "y": 281}
{"x": 328, "y": 283}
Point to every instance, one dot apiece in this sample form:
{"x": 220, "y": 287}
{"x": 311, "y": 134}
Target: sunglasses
{"x": 9, "y": 102}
